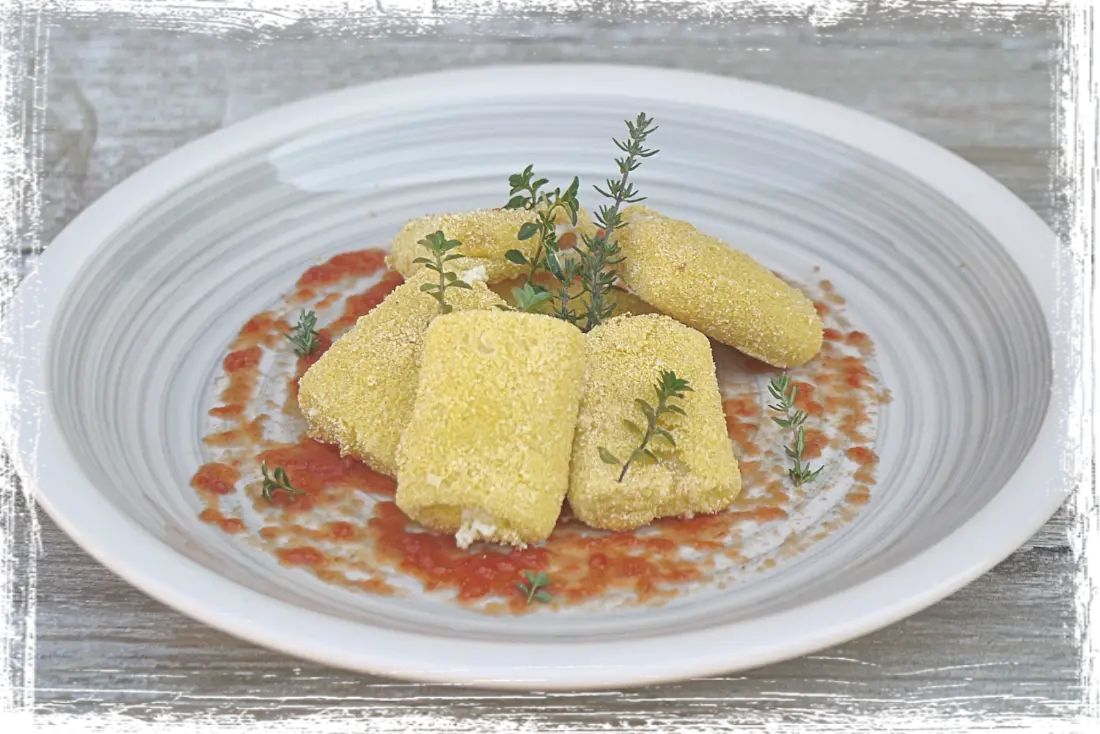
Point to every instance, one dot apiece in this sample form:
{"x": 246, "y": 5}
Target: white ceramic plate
{"x": 118, "y": 334}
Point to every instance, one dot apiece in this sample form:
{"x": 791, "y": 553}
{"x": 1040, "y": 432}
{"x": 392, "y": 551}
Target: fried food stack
{"x": 490, "y": 418}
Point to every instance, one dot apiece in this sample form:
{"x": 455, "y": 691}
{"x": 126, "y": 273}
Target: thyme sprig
{"x": 544, "y": 227}
{"x": 793, "y": 419}
{"x": 601, "y": 252}
{"x": 570, "y": 271}
{"x": 440, "y": 247}
{"x": 525, "y": 189}
{"x": 535, "y": 588}
{"x": 668, "y": 387}
{"x": 279, "y": 483}
{"x": 303, "y": 335}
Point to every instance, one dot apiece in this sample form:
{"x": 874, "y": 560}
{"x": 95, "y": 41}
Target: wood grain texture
{"x": 122, "y": 95}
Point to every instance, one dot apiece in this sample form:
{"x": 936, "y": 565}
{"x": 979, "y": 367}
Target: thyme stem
{"x": 793, "y": 418}
{"x": 668, "y": 386}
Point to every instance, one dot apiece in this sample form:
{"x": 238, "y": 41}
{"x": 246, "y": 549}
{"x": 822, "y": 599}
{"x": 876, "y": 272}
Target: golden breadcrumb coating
{"x": 486, "y": 453}
{"x": 704, "y": 283}
{"x": 485, "y": 234}
{"x": 359, "y": 394}
{"x": 629, "y": 304}
{"x": 624, "y": 359}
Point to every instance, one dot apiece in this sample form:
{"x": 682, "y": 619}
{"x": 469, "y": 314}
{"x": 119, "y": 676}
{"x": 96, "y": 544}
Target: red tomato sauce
{"x": 862, "y": 455}
{"x": 301, "y": 556}
{"x": 359, "y": 264}
{"x": 216, "y": 478}
{"x": 321, "y": 474}
{"x": 263, "y": 329}
{"x": 815, "y": 443}
{"x": 251, "y": 433}
{"x": 228, "y": 524}
{"x": 361, "y": 304}
{"x": 438, "y": 563}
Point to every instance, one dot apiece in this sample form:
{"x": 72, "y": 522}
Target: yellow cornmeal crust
{"x": 492, "y": 428}
{"x": 485, "y": 234}
{"x": 624, "y": 358}
{"x": 722, "y": 292}
{"x": 359, "y": 394}
{"x": 629, "y": 304}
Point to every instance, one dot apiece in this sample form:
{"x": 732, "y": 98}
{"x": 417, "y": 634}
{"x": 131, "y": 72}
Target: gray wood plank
{"x": 85, "y": 118}
{"x": 1004, "y": 645}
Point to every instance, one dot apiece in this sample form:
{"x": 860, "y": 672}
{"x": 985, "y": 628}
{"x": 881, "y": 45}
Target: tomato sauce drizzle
{"x": 439, "y": 563}
{"x": 584, "y": 564}
{"x": 360, "y": 264}
{"x": 215, "y": 478}
{"x": 361, "y": 304}
{"x": 742, "y": 422}
{"x": 213, "y": 516}
{"x": 321, "y": 475}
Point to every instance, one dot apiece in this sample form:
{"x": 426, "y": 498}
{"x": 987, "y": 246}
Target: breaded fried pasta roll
{"x": 698, "y": 474}
{"x": 486, "y": 453}
{"x": 722, "y": 292}
{"x": 486, "y": 234}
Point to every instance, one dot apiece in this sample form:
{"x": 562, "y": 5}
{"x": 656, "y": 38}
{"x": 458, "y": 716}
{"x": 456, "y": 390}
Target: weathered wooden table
{"x": 123, "y": 92}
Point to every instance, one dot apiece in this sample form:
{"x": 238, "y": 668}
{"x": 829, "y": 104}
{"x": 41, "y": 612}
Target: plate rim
{"x": 111, "y": 537}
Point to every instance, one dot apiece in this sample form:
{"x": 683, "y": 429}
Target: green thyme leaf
{"x": 280, "y": 482}
{"x": 527, "y": 231}
{"x": 303, "y": 336}
{"x": 535, "y": 588}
